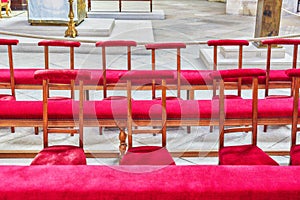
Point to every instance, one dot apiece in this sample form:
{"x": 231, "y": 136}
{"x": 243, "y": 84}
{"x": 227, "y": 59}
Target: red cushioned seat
{"x": 244, "y": 155}
{"x": 196, "y": 77}
{"x": 279, "y": 75}
{"x": 295, "y": 155}
{"x": 147, "y": 155}
{"x": 60, "y": 155}
{"x": 22, "y": 76}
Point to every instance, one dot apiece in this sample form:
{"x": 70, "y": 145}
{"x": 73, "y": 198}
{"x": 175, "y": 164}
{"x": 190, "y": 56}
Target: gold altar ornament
{"x": 71, "y": 31}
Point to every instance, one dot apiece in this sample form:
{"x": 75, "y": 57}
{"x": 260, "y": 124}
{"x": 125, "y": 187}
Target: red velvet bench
{"x": 149, "y": 182}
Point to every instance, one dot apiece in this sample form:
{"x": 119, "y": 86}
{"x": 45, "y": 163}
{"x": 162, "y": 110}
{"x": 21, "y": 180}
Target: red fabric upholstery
{"x": 293, "y": 72}
{"x": 244, "y": 155}
{"x": 228, "y": 97}
{"x": 147, "y": 109}
{"x": 62, "y": 74}
{"x": 5, "y": 97}
{"x": 236, "y": 73}
{"x": 8, "y": 41}
{"x": 287, "y": 41}
{"x": 22, "y": 76}
{"x": 149, "y": 182}
{"x": 147, "y": 155}
{"x": 295, "y": 155}
{"x": 227, "y": 42}
{"x": 59, "y": 43}
{"x": 146, "y": 76}
{"x": 166, "y": 45}
{"x": 278, "y": 75}
{"x": 4, "y": 1}
{"x": 116, "y": 43}
{"x": 196, "y": 77}
{"x": 60, "y": 155}
{"x": 115, "y": 98}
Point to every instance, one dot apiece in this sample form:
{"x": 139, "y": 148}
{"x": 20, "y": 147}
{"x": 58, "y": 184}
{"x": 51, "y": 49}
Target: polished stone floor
{"x": 187, "y": 21}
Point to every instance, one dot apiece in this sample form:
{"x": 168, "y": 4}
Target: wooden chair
{"x": 147, "y": 155}
{"x": 60, "y": 43}
{"x": 113, "y": 74}
{"x": 57, "y": 79}
{"x": 11, "y": 82}
{"x": 61, "y": 154}
{"x": 168, "y": 46}
{"x": 230, "y": 42}
{"x": 295, "y": 148}
{"x": 242, "y": 154}
{"x": 6, "y": 4}
{"x": 278, "y": 78}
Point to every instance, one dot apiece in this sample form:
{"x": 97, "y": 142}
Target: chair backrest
{"x": 295, "y": 75}
{"x": 60, "y": 77}
{"x": 228, "y": 42}
{"x": 274, "y": 42}
{"x": 237, "y": 73}
{"x": 60, "y": 43}
{"x": 114, "y": 43}
{"x": 9, "y": 43}
{"x": 145, "y": 77}
{"x": 163, "y": 46}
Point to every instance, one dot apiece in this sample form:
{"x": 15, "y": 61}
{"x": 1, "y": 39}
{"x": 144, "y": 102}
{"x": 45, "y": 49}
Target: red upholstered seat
{"x": 295, "y": 155}
{"x": 244, "y": 155}
{"x": 196, "y": 77}
{"x": 147, "y": 155}
{"x": 60, "y": 155}
{"x": 279, "y": 75}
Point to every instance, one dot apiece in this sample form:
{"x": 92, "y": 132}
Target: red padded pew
{"x": 149, "y": 182}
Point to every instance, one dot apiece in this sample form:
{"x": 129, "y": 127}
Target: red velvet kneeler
{"x": 147, "y": 155}
{"x": 295, "y": 155}
{"x": 60, "y": 155}
{"x": 244, "y": 155}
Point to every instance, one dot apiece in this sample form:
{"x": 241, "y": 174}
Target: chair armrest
{"x": 227, "y": 42}
{"x": 59, "y": 43}
{"x": 8, "y": 42}
{"x": 116, "y": 43}
{"x": 286, "y": 41}
{"x": 166, "y": 45}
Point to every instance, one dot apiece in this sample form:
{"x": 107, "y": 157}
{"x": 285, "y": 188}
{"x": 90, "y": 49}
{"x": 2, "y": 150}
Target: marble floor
{"x": 187, "y": 21}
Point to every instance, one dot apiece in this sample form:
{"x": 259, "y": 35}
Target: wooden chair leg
{"x": 12, "y": 129}
{"x": 36, "y": 130}
{"x": 100, "y": 130}
{"x": 189, "y": 129}
{"x": 265, "y": 128}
